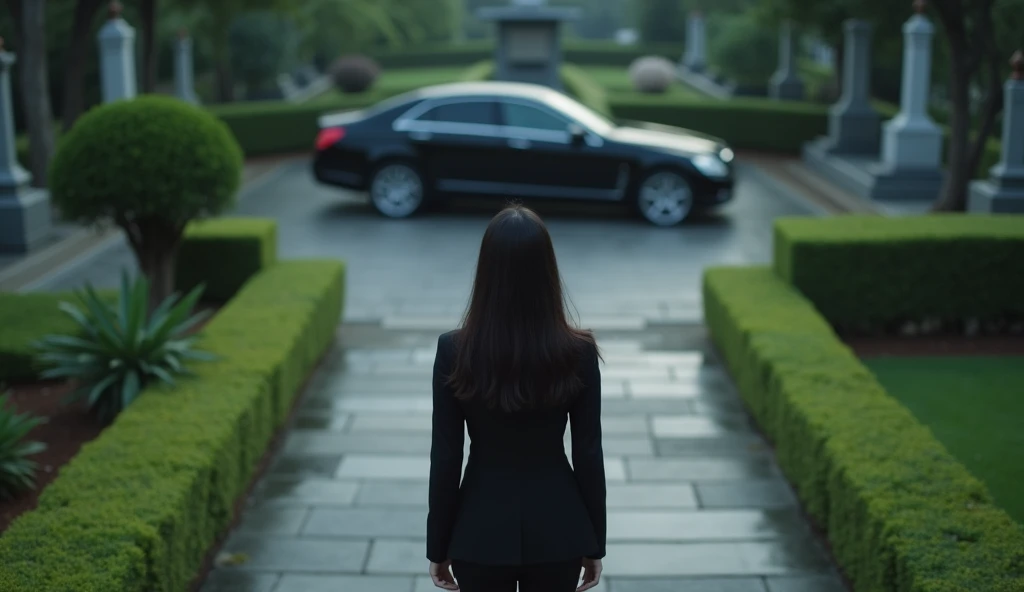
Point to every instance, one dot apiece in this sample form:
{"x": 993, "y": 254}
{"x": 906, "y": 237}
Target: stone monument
{"x": 117, "y": 57}
{"x": 1003, "y": 191}
{"x": 529, "y": 41}
{"x": 786, "y": 84}
{"x": 696, "y": 57}
{"x": 25, "y": 214}
{"x": 854, "y": 125}
{"x": 911, "y": 163}
{"x": 184, "y": 80}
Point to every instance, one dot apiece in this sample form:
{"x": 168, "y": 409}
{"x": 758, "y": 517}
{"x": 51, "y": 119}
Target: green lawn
{"x": 616, "y": 81}
{"x": 975, "y": 407}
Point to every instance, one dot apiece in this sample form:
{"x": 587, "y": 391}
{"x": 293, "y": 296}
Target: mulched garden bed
{"x": 65, "y": 430}
{"x": 936, "y": 345}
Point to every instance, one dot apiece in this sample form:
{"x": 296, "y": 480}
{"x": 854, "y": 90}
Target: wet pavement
{"x": 696, "y": 501}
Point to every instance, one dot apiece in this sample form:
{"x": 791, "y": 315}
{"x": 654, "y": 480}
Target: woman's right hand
{"x": 591, "y": 574}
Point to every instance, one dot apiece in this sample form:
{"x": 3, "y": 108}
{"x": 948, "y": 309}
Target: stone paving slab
{"x": 696, "y": 502}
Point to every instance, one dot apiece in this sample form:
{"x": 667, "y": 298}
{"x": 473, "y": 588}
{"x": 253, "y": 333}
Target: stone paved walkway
{"x": 696, "y": 501}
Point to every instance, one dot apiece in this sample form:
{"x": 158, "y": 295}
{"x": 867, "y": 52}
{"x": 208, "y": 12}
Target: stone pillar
{"x": 854, "y": 125}
{"x": 25, "y": 214}
{"x": 1003, "y": 191}
{"x": 117, "y": 57}
{"x": 696, "y": 43}
{"x": 911, "y": 139}
{"x": 184, "y": 81}
{"x": 786, "y": 84}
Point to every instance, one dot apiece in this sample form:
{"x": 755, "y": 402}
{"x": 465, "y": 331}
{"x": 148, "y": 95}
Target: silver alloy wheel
{"x": 396, "y": 190}
{"x": 665, "y": 198}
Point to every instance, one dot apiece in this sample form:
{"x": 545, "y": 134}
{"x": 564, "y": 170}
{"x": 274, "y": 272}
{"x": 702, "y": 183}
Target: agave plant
{"x": 17, "y": 472}
{"x": 121, "y": 349}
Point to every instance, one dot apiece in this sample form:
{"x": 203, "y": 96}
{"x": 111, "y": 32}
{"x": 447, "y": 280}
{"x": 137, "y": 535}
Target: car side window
{"x": 474, "y": 112}
{"x": 525, "y": 116}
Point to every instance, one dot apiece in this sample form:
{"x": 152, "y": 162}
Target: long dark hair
{"x": 516, "y": 349}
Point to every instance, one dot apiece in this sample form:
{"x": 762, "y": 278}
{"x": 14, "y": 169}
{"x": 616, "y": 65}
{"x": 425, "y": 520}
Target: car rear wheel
{"x": 664, "y": 198}
{"x": 396, "y": 190}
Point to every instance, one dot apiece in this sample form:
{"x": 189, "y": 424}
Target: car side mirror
{"x": 577, "y": 134}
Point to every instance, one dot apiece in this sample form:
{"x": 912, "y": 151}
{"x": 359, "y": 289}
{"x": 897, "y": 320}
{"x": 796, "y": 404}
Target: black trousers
{"x": 542, "y": 577}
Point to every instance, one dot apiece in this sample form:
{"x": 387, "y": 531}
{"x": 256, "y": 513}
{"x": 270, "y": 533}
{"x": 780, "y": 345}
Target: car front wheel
{"x": 396, "y": 190}
{"x": 664, "y": 198}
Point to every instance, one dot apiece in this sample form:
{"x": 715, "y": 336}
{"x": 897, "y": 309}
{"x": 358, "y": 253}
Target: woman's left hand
{"x": 441, "y": 575}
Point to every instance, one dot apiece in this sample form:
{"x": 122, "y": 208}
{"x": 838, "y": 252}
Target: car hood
{"x": 665, "y": 137}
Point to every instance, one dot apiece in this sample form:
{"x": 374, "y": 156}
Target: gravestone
{"x": 184, "y": 72}
{"x": 911, "y": 163}
{"x": 786, "y": 84}
{"x": 529, "y": 47}
{"x": 696, "y": 56}
{"x": 25, "y": 213}
{"x": 117, "y": 57}
{"x": 854, "y": 125}
{"x": 1003, "y": 191}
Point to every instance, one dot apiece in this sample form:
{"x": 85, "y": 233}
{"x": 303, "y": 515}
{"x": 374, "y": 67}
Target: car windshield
{"x": 584, "y": 115}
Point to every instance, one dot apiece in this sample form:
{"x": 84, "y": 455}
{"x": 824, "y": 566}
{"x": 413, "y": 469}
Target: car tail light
{"x": 327, "y": 137}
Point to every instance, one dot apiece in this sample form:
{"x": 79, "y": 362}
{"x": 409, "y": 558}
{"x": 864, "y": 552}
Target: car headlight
{"x": 726, "y": 154}
{"x": 710, "y": 165}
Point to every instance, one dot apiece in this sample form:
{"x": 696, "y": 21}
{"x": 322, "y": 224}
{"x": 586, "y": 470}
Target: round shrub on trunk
{"x": 652, "y": 74}
{"x": 355, "y": 73}
{"x": 149, "y": 165}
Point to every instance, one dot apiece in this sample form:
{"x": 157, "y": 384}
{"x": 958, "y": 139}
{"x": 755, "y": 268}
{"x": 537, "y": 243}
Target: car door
{"x": 544, "y": 160}
{"x": 458, "y": 141}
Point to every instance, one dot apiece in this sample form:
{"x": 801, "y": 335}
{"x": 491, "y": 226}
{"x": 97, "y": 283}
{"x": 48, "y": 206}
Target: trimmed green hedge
{"x": 901, "y": 514}
{"x": 589, "y": 53}
{"x": 745, "y": 123}
{"x": 582, "y": 86}
{"x": 25, "y": 319}
{"x": 224, "y": 253}
{"x": 138, "y": 508}
{"x": 864, "y": 270}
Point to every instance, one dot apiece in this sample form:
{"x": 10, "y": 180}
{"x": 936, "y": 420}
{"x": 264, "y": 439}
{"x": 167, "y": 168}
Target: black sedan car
{"x": 520, "y": 141}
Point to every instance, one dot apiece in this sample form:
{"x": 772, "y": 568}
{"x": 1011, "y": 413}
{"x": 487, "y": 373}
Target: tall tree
{"x": 147, "y": 14}
{"x": 30, "y": 32}
{"x": 76, "y": 60}
{"x": 976, "y": 61}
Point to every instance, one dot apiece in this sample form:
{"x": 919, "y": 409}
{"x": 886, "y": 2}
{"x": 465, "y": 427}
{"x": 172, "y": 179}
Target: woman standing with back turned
{"x": 514, "y": 373}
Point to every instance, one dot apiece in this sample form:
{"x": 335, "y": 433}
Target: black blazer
{"x": 520, "y": 501}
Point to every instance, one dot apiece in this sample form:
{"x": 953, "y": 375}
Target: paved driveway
{"x": 619, "y": 271}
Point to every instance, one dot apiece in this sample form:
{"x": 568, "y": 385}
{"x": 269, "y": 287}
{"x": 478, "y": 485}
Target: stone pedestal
{"x": 854, "y": 125}
{"x": 1003, "y": 191}
{"x": 529, "y": 47}
{"x": 786, "y": 84}
{"x": 184, "y": 79}
{"x": 25, "y": 213}
{"x": 696, "y": 56}
{"x": 911, "y": 163}
{"x": 117, "y": 57}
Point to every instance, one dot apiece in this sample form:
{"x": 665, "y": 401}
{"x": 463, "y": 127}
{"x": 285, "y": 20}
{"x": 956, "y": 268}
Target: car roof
{"x": 509, "y": 89}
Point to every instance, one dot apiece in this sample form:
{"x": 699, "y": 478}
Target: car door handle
{"x": 519, "y": 143}
{"x": 421, "y": 136}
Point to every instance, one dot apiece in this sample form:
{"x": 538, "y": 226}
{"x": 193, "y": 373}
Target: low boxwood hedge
{"x": 861, "y": 271}
{"x": 223, "y": 253}
{"x": 745, "y": 123}
{"x": 25, "y": 319}
{"x": 579, "y": 51}
{"x": 580, "y": 85}
{"x": 901, "y": 514}
{"x": 138, "y": 508}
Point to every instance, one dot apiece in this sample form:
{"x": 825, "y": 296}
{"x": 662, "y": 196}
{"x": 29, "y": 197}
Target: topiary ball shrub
{"x": 355, "y": 73}
{"x": 652, "y": 74}
{"x": 150, "y": 165}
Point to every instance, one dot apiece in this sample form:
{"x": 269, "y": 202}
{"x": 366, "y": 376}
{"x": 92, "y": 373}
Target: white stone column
{"x": 854, "y": 125}
{"x": 786, "y": 84}
{"x": 184, "y": 73}
{"x": 25, "y": 213}
{"x": 696, "y": 42}
{"x": 117, "y": 57}
{"x": 1003, "y": 191}
{"x": 911, "y": 140}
